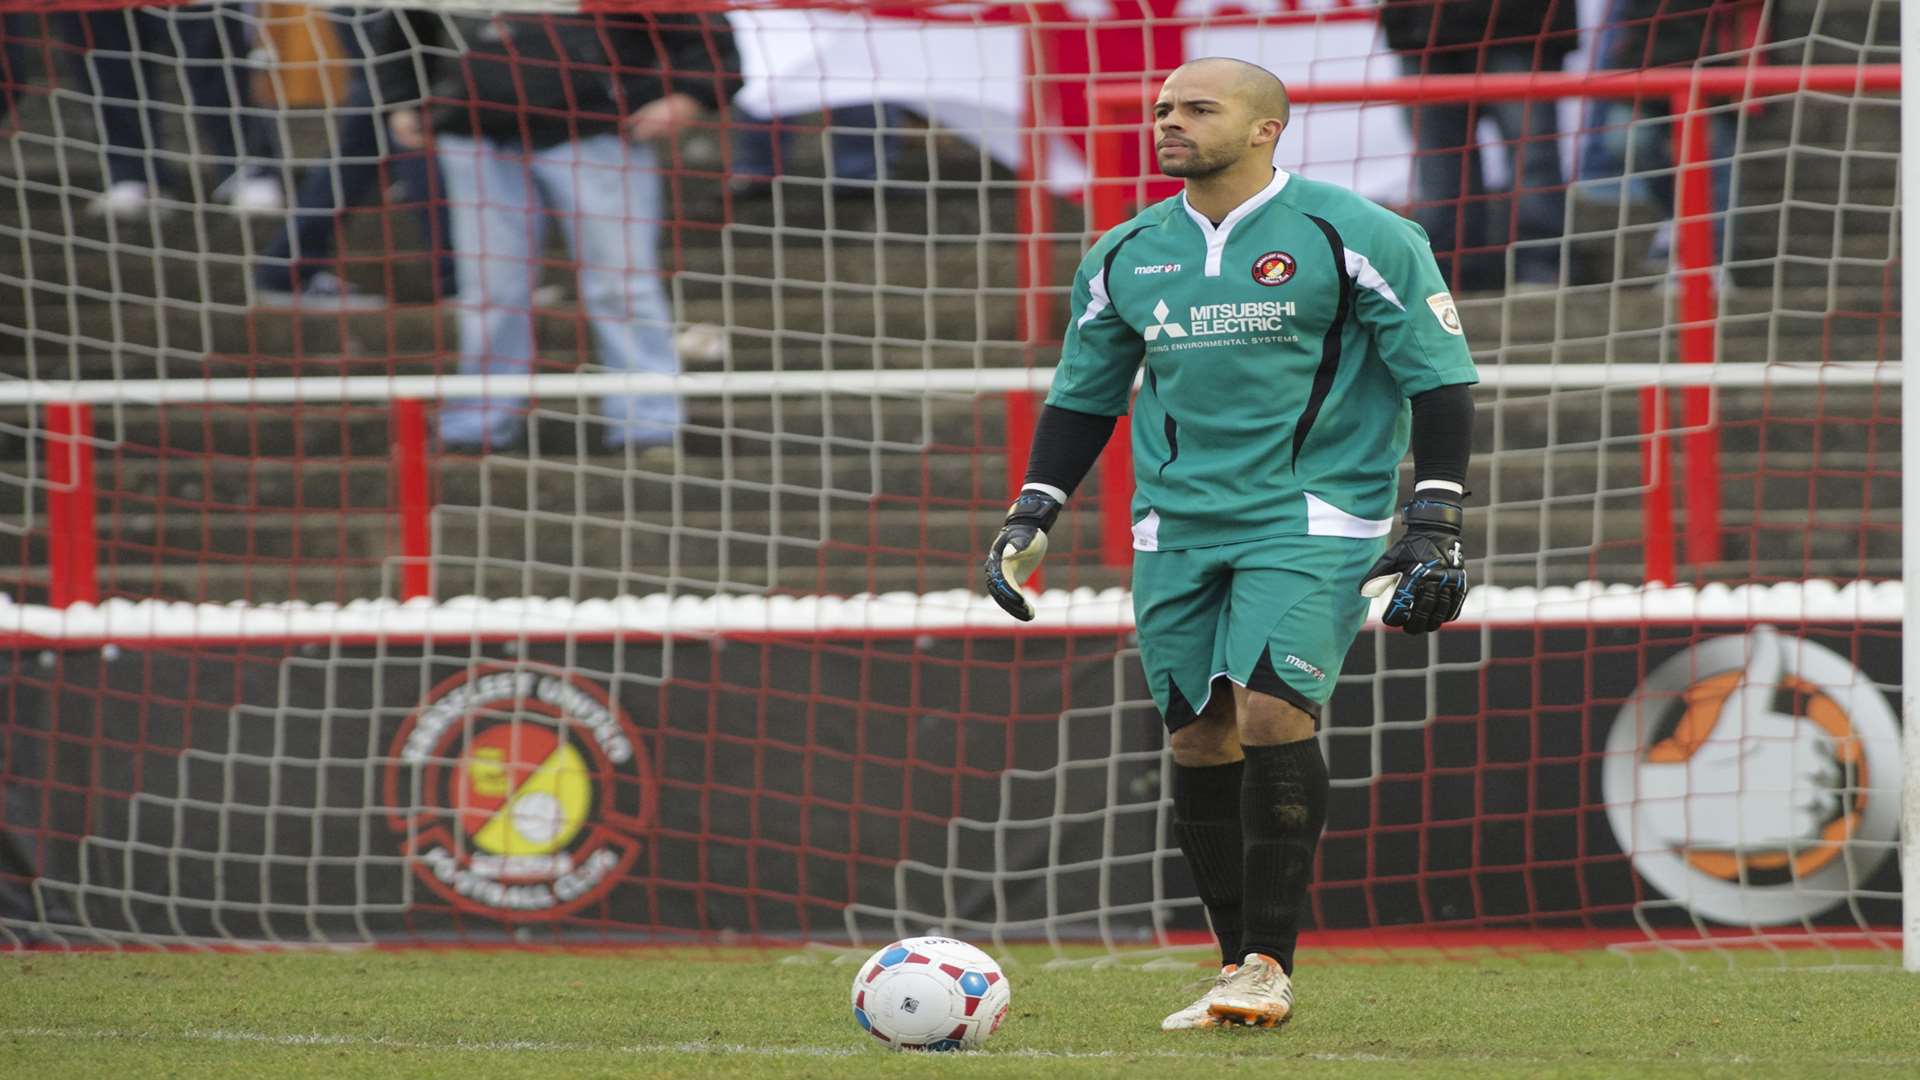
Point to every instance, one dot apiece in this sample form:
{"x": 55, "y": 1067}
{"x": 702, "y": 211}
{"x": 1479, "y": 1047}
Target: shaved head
{"x": 1216, "y": 112}
{"x": 1260, "y": 90}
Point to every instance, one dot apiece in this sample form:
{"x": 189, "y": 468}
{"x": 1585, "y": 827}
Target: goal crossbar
{"x": 366, "y": 388}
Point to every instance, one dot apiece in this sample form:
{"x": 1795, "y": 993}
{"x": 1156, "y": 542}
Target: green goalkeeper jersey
{"x": 1281, "y": 347}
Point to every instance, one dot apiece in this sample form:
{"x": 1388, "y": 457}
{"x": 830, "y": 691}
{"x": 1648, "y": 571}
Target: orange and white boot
{"x": 1257, "y": 994}
{"x": 1196, "y": 1016}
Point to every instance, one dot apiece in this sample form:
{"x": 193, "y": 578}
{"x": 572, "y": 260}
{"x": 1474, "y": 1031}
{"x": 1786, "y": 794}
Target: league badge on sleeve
{"x": 1443, "y": 309}
{"x": 1274, "y": 268}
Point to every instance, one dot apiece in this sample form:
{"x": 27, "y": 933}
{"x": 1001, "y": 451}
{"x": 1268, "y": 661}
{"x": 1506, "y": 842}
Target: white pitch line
{"x": 537, "y": 1046}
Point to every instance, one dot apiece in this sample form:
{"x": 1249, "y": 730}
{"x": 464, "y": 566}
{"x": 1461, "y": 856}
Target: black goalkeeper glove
{"x": 1424, "y": 568}
{"x": 1017, "y": 551}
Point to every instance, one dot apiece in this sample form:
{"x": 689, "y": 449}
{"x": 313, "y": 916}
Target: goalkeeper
{"x": 1296, "y": 338}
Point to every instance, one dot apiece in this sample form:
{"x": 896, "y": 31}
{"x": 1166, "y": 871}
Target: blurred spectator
{"x": 1491, "y": 37}
{"x": 1627, "y": 156}
{"x": 119, "y": 65}
{"x": 862, "y": 145}
{"x": 293, "y": 270}
{"x": 539, "y": 113}
{"x": 17, "y": 29}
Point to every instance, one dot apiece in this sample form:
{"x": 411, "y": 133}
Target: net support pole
{"x": 1909, "y": 200}
{"x": 1699, "y": 307}
{"x": 1022, "y": 410}
{"x": 1656, "y": 479}
{"x": 72, "y": 562}
{"x": 1033, "y": 209}
{"x": 1115, "y": 128}
{"x": 413, "y": 502}
{"x": 1116, "y": 497}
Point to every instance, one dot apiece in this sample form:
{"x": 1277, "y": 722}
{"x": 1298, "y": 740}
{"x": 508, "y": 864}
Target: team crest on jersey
{"x": 524, "y": 789}
{"x": 1274, "y": 268}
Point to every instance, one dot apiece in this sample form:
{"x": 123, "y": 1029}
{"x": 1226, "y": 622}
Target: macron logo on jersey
{"x": 1156, "y": 268}
{"x": 1161, "y": 325}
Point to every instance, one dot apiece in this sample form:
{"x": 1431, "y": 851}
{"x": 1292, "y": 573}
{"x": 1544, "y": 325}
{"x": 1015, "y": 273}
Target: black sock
{"x": 1283, "y": 808}
{"x": 1206, "y": 823}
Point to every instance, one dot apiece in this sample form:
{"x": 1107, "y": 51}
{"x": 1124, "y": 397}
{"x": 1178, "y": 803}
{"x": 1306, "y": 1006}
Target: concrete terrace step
{"x": 1513, "y": 484}
{"x": 525, "y": 557}
{"x": 1519, "y": 424}
{"x": 859, "y": 533}
{"x": 1585, "y": 324}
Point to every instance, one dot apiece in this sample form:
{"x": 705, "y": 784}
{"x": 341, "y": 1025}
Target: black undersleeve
{"x": 1065, "y": 444}
{"x": 1443, "y": 434}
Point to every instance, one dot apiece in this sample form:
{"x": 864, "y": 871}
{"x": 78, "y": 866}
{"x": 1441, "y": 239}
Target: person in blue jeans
{"x": 542, "y": 117}
{"x": 862, "y": 145}
{"x": 118, "y": 63}
{"x": 293, "y": 271}
{"x": 1490, "y": 37}
{"x": 1627, "y": 156}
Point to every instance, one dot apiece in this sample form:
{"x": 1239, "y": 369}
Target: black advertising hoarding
{"x": 785, "y": 786}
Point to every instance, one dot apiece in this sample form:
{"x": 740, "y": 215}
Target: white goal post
{"x": 1910, "y": 491}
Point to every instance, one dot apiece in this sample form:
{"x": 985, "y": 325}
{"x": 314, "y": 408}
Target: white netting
{"x": 1686, "y": 361}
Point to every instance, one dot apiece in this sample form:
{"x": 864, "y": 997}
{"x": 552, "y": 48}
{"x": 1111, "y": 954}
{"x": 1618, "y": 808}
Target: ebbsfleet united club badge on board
{"x": 525, "y": 789}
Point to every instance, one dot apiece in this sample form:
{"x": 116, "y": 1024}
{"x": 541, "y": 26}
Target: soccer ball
{"x": 930, "y": 993}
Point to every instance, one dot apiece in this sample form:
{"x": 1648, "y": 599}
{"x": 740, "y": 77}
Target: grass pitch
{"x": 651, "y": 1013}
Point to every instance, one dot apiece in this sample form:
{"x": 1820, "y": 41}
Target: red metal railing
{"x": 1118, "y": 115}
{"x": 72, "y": 543}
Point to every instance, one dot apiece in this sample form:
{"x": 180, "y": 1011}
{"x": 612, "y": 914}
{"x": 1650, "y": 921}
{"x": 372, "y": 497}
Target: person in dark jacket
{"x": 536, "y": 114}
{"x": 292, "y": 272}
{"x": 1489, "y": 37}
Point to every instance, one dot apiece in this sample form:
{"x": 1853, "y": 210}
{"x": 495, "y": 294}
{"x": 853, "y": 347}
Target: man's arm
{"x": 403, "y": 59}
{"x": 1091, "y": 389}
{"x": 1403, "y": 301}
{"x": 1442, "y": 439}
{"x": 667, "y": 54}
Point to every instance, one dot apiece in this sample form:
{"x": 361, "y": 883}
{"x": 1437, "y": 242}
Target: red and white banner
{"x": 966, "y": 68}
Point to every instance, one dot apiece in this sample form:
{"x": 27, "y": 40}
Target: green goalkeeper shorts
{"x": 1276, "y": 616}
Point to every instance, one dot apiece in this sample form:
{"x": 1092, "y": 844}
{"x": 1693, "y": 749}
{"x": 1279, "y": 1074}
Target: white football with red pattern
{"x": 930, "y": 993}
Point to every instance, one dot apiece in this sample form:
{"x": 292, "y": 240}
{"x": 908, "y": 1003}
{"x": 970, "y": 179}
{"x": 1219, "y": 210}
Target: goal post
{"x": 1910, "y": 496}
{"x": 283, "y": 660}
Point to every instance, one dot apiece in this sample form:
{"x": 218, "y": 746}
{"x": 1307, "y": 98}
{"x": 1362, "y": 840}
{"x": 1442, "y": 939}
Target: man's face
{"x": 1200, "y": 125}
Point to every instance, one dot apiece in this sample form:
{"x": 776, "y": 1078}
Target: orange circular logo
{"x": 1754, "y": 778}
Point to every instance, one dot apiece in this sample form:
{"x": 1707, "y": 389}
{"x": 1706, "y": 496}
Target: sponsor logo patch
{"x": 1274, "y": 268}
{"x": 1306, "y": 667}
{"x": 1161, "y": 325}
{"x": 1443, "y": 309}
{"x": 1223, "y": 321}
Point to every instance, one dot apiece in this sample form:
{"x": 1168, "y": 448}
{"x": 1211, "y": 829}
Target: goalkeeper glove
{"x": 1017, "y": 551}
{"x": 1424, "y": 568}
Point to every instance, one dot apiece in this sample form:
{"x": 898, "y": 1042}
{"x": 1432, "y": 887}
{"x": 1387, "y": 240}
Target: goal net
{"x": 462, "y": 485}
